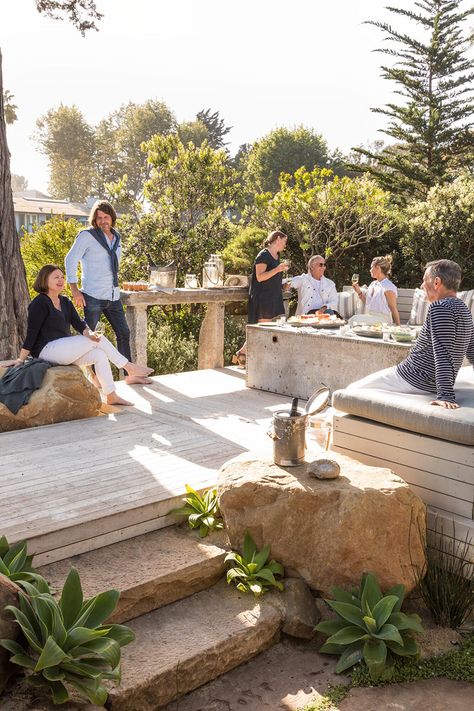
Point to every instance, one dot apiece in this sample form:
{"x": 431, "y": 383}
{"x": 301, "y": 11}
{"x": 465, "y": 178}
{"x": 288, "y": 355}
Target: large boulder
{"x": 8, "y": 627}
{"x": 326, "y": 531}
{"x": 65, "y": 394}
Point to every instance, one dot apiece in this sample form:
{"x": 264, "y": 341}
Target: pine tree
{"x": 433, "y": 128}
{"x": 216, "y": 128}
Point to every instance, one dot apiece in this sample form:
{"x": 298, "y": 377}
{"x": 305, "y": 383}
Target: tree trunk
{"x": 14, "y": 296}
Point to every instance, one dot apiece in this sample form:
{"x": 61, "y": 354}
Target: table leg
{"x": 137, "y": 322}
{"x": 211, "y": 337}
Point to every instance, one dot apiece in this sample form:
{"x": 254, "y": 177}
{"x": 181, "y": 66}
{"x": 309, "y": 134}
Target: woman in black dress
{"x": 265, "y": 293}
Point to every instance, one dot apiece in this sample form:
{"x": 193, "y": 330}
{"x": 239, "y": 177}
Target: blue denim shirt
{"x": 97, "y": 277}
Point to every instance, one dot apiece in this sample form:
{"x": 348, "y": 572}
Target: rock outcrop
{"x": 65, "y": 394}
{"x": 327, "y": 532}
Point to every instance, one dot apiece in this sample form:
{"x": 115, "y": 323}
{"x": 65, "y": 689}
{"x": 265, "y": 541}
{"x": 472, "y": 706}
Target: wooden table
{"x": 211, "y": 335}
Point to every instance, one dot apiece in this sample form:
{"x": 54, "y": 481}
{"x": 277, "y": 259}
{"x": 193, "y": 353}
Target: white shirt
{"x": 97, "y": 278}
{"x": 314, "y": 293}
{"x": 375, "y": 297}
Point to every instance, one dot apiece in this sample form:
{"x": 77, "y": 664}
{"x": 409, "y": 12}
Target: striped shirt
{"x": 447, "y": 337}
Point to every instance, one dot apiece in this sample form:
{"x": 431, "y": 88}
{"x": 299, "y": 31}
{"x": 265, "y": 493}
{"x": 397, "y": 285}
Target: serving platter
{"x": 367, "y": 333}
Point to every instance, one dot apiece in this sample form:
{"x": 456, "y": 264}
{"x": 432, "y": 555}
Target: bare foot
{"x": 114, "y": 399}
{"x": 139, "y": 371}
{"x": 137, "y": 380}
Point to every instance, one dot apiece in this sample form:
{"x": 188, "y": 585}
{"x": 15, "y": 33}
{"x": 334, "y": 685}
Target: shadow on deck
{"x": 75, "y": 486}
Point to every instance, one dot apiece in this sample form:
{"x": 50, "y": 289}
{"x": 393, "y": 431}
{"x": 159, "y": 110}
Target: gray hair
{"x": 312, "y": 259}
{"x": 447, "y": 271}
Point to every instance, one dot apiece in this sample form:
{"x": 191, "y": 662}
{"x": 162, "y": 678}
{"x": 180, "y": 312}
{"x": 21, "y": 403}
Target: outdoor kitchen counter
{"x": 289, "y": 361}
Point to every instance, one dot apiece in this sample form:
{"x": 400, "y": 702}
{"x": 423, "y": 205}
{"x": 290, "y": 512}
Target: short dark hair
{"x": 447, "y": 271}
{"x": 41, "y": 282}
{"x": 103, "y": 206}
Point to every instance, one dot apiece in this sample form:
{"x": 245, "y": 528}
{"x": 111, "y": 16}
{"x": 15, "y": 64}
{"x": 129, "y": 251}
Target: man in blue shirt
{"x": 98, "y": 250}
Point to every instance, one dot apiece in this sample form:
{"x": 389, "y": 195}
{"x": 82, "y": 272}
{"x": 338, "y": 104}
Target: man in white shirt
{"x": 315, "y": 291}
{"x": 98, "y": 251}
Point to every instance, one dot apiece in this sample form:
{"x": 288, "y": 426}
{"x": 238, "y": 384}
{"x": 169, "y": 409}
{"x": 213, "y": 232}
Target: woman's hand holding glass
{"x": 97, "y": 333}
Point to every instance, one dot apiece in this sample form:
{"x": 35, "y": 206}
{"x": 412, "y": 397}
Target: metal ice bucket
{"x": 288, "y": 437}
{"x": 163, "y": 276}
{"x": 288, "y": 431}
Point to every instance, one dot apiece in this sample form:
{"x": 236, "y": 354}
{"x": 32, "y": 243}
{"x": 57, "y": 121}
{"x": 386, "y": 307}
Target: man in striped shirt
{"x": 446, "y": 338}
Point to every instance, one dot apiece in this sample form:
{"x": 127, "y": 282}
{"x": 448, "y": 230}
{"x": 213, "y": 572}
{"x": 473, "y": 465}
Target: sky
{"x": 260, "y": 63}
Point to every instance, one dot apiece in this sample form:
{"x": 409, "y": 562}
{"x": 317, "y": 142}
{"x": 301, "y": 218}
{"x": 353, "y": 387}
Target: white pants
{"x": 387, "y": 379}
{"x": 80, "y": 350}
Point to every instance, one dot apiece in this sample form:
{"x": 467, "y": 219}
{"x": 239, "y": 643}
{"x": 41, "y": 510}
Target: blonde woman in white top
{"x": 380, "y": 298}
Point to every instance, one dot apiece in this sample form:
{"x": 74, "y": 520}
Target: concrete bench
{"x": 432, "y": 449}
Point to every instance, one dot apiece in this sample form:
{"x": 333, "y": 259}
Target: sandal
{"x": 239, "y": 359}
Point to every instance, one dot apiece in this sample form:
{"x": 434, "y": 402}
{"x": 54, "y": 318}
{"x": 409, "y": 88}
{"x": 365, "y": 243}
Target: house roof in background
{"x": 44, "y": 205}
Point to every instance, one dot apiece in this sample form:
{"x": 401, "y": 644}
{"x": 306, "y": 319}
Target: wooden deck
{"x": 76, "y": 486}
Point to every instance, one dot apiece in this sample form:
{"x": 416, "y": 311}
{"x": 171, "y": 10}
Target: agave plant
{"x": 370, "y": 628}
{"x": 250, "y": 572}
{"x": 66, "y": 643}
{"x": 15, "y": 564}
{"x": 202, "y": 511}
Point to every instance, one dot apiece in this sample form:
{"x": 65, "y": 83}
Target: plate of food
{"x": 368, "y": 331}
{"x": 403, "y": 334}
{"x": 316, "y": 321}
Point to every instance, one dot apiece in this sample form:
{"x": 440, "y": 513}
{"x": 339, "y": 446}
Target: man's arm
{"x": 443, "y": 333}
{"x": 73, "y": 257}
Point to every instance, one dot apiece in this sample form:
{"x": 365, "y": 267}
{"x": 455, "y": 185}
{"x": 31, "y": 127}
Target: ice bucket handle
{"x": 272, "y": 434}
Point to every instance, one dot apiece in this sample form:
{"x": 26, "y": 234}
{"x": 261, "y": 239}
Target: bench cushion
{"x": 414, "y": 412}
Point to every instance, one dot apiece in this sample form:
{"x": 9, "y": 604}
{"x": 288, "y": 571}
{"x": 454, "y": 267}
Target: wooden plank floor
{"x": 76, "y": 486}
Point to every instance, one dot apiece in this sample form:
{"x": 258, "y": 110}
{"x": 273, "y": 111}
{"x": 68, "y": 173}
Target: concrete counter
{"x": 287, "y": 360}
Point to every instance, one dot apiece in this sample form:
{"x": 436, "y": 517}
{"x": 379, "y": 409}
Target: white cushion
{"x": 345, "y": 304}
{"x": 419, "y": 308}
{"x": 467, "y": 297}
{"x": 414, "y": 412}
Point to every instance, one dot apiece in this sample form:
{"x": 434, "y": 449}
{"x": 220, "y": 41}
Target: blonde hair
{"x": 385, "y": 264}
{"x": 273, "y": 236}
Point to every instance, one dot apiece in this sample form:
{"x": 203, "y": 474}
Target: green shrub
{"x": 370, "y": 628}
{"x": 202, "y": 511}
{"x": 241, "y": 250}
{"x": 172, "y": 346}
{"x": 446, "y": 580}
{"x": 15, "y": 564}
{"x": 250, "y": 571}
{"x": 66, "y": 643}
{"x": 47, "y": 244}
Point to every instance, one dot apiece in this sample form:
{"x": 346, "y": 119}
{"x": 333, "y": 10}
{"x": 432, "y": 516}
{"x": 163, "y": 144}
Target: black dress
{"x": 265, "y": 297}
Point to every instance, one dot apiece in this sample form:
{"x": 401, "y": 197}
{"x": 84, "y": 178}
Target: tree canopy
{"x": 67, "y": 140}
{"x": 433, "y": 128}
{"x": 283, "y": 151}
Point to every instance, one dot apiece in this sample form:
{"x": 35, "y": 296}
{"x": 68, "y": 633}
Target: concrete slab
{"x": 289, "y": 361}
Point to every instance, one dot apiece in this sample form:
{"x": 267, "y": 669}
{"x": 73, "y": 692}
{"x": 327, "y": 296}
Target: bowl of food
{"x": 403, "y": 335}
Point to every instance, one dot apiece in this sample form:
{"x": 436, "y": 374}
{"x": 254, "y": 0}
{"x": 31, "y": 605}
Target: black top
{"x": 47, "y": 323}
{"x": 265, "y": 297}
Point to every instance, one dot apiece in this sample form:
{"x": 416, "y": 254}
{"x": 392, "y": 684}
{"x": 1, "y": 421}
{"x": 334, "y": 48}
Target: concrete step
{"x": 149, "y": 571}
{"x": 182, "y": 646}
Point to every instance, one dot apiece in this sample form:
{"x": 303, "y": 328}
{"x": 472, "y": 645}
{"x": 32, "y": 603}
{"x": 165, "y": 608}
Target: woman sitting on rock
{"x": 48, "y": 336}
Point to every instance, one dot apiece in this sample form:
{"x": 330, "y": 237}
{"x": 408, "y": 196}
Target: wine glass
{"x": 355, "y": 278}
{"x": 99, "y": 328}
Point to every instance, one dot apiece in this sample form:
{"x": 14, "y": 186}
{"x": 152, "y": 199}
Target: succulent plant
{"x": 250, "y": 571}
{"x": 370, "y": 629}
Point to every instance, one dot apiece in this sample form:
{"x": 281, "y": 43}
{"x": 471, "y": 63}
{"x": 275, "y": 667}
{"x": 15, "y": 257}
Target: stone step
{"x": 182, "y": 646}
{"x": 149, "y": 571}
